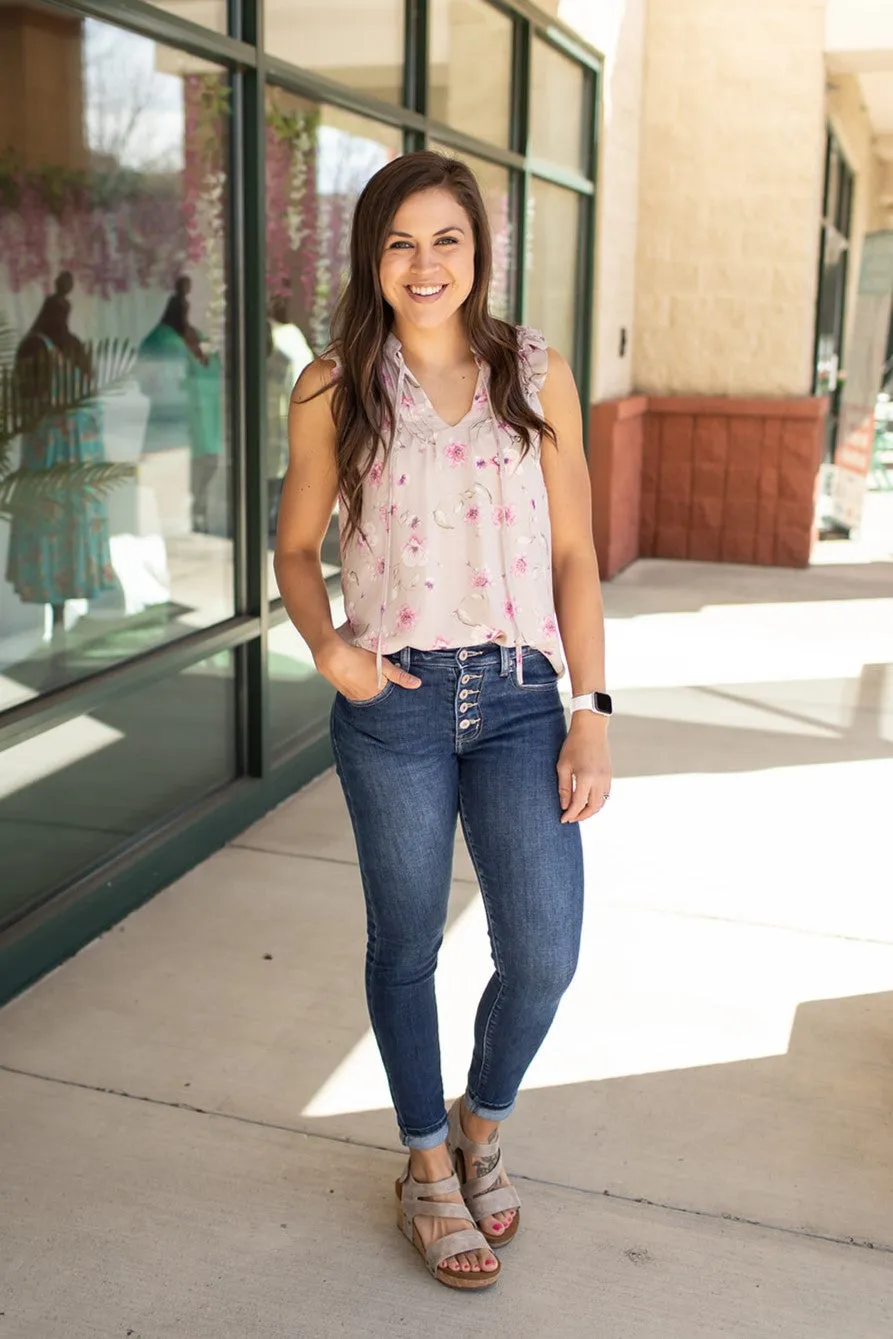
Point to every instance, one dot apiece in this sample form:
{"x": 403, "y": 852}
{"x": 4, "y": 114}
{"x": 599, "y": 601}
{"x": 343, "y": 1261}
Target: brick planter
{"x": 713, "y": 479}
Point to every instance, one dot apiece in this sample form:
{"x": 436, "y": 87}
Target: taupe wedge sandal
{"x": 483, "y": 1195}
{"x": 413, "y": 1201}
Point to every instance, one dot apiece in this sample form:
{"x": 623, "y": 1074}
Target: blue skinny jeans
{"x": 475, "y": 744}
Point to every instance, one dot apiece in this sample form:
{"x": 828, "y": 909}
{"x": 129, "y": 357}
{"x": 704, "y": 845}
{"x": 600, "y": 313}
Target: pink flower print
{"x": 376, "y": 472}
{"x": 407, "y": 617}
{"x": 481, "y": 579}
{"x": 550, "y": 627}
{"x": 380, "y": 566}
{"x": 480, "y": 398}
{"x": 473, "y": 514}
{"x": 456, "y": 453}
{"x": 496, "y": 515}
{"x": 480, "y": 463}
{"x": 402, "y": 480}
{"x": 406, "y": 401}
{"x": 415, "y": 551}
{"x": 510, "y": 609}
{"x": 441, "y": 643}
{"x": 429, "y": 584}
{"x": 509, "y": 515}
{"x": 519, "y": 567}
{"x": 415, "y": 522}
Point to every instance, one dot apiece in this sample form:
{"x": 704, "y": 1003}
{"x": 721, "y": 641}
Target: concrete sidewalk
{"x": 195, "y": 1127}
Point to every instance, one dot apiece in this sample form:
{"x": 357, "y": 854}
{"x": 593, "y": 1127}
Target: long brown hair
{"x": 363, "y": 320}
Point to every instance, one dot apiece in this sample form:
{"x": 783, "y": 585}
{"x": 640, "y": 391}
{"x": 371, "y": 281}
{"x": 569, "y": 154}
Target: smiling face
{"x": 427, "y": 267}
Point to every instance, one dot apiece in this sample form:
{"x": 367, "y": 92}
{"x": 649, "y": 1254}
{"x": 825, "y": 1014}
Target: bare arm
{"x": 584, "y": 769}
{"x": 308, "y": 496}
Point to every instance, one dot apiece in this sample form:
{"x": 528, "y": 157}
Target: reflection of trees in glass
{"x": 116, "y": 228}
{"x": 314, "y": 174}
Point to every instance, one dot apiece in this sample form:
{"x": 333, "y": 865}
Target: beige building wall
{"x": 731, "y": 179}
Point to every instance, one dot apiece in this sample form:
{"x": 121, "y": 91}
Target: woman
{"x": 454, "y": 443}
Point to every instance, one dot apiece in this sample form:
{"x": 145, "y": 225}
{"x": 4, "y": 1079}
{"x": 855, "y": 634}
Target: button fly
{"x": 463, "y": 725}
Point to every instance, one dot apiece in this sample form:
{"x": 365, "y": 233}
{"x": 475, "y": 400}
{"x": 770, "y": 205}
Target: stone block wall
{"x": 731, "y": 171}
{"x": 713, "y": 479}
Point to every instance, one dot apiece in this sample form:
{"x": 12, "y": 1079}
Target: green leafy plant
{"x": 52, "y": 387}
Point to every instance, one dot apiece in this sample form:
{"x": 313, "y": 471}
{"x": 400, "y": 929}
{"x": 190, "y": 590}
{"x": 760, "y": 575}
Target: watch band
{"x": 600, "y": 703}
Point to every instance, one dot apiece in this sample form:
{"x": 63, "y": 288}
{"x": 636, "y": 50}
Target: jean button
{"x": 463, "y": 655}
{"x": 464, "y": 707}
{"x": 466, "y": 678}
{"x": 463, "y": 725}
{"x": 464, "y": 693}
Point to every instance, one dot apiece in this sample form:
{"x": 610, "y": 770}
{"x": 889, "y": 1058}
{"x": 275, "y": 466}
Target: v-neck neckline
{"x": 393, "y": 345}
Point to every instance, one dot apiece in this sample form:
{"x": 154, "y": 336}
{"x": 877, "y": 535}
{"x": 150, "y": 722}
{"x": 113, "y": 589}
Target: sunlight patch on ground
{"x": 717, "y": 904}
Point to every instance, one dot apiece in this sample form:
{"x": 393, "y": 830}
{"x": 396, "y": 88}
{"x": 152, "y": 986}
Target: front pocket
{"x": 538, "y": 673}
{"x": 370, "y": 701}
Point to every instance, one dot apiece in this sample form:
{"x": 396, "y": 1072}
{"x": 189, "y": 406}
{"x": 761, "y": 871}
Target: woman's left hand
{"x": 584, "y": 767}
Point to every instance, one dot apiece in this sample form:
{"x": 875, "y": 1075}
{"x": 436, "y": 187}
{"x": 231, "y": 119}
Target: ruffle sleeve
{"x": 533, "y": 352}
{"x": 331, "y": 355}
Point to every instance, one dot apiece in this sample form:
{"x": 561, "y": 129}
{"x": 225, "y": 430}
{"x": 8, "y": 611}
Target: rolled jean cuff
{"x": 477, "y": 1108}
{"x": 431, "y": 1140}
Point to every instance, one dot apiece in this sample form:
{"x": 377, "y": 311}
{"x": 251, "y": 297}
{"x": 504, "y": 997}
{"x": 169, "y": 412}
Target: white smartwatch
{"x": 600, "y": 703}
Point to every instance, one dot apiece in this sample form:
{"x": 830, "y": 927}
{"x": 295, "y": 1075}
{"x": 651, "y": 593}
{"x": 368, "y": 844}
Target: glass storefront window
{"x": 319, "y": 158}
{"x": 70, "y": 796}
{"x": 470, "y": 68}
{"x": 496, "y": 187}
{"x": 557, "y": 107}
{"x": 209, "y": 13}
{"x": 552, "y": 293}
{"x": 358, "y": 43}
{"x": 115, "y": 506}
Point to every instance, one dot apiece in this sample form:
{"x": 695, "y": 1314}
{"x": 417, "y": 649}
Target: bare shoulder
{"x": 560, "y": 400}
{"x": 317, "y": 377}
{"x": 559, "y": 385}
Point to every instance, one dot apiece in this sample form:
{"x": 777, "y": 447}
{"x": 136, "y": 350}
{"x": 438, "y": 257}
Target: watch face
{"x": 603, "y": 703}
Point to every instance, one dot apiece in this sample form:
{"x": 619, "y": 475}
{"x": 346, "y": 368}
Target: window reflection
{"x": 115, "y": 513}
{"x": 209, "y": 13}
{"x": 319, "y": 158}
{"x": 496, "y": 185}
{"x": 358, "y": 43}
{"x": 470, "y": 64}
{"x": 559, "y": 127}
{"x": 552, "y": 288}
{"x": 70, "y": 796}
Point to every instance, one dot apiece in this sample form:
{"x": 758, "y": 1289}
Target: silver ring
{"x": 606, "y": 795}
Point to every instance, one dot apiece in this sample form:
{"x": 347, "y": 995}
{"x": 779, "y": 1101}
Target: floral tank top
{"x": 454, "y": 545}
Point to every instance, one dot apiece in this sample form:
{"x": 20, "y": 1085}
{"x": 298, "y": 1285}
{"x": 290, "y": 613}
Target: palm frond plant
{"x": 50, "y": 386}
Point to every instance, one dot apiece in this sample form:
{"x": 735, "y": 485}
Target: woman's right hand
{"x": 351, "y": 670}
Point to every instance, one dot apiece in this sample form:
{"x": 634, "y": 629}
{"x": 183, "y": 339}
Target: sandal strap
{"x": 457, "y": 1138}
{"x": 496, "y": 1201}
{"x": 480, "y": 1185}
{"x": 469, "y": 1239}
{"x": 448, "y": 1186}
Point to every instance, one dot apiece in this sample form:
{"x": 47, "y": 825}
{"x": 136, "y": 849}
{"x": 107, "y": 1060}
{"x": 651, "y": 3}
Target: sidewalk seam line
{"x": 642, "y": 1200}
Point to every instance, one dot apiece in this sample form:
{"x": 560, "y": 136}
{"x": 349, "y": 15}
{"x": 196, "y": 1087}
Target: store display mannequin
{"x": 173, "y": 358}
{"x": 59, "y": 552}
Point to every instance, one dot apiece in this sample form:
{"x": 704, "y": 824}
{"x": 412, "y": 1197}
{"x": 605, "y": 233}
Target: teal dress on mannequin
{"x": 59, "y": 548}
{"x": 184, "y": 387}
